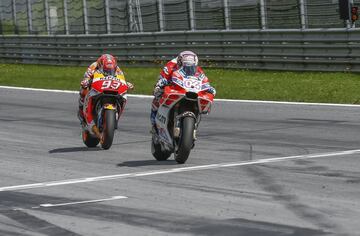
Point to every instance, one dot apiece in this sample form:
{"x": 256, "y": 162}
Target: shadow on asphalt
{"x": 74, "y": 149}
{"x": 87, "y": 149}
{"x": 146, "y": 163}
{"x": 132, "y": 142}
{"x": 161, "y": 219}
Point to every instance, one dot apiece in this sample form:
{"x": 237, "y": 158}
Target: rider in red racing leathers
{"x": 187, "y": 60}
{"x": 106, "y": 64}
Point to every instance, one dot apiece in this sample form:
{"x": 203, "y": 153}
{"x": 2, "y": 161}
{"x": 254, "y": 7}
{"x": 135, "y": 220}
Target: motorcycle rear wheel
{"x": 89, "y": 140}
{"x": 108, "y": 129}
{"x": 186, "y": 140}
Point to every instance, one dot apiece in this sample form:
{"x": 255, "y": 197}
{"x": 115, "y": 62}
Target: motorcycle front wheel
{"x": 108, "y": 128}
{"x": 186, "y": 140}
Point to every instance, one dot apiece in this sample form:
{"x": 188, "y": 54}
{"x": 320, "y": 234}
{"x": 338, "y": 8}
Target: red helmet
{"x": 107, "y": 64}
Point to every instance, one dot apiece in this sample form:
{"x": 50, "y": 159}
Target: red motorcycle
{"x": 108, "y": 94}
{"x": 179, "y": 115}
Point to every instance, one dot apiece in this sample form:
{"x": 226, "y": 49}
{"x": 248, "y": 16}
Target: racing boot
{"x": 96, "y": 131}
{"x": 80, "y": 114}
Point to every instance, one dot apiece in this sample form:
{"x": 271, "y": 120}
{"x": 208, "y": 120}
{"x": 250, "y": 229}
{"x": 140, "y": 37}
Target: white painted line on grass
{"x": 80, "y": 202}
{"x": 174, "y": 170}
{"x": 220, "y": 100}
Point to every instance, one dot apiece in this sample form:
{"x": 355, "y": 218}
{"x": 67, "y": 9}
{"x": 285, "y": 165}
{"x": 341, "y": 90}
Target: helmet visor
{"x": 109, "y": 68}
{"x": 109, "y": 71}
{"x": 189, "y": 70}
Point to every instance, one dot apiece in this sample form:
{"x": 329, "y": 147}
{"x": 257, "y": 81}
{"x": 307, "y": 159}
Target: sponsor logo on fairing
{"x": 161, "y": 118}
{"x": 177, "y": 81}
{"x": 166, "y": 71}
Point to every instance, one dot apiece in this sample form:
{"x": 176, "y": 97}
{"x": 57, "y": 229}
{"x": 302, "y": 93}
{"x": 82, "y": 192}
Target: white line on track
{"x": 175, "y": 170}
{"x": 40, "y": 90}
{"x": 80, "y": 202}
{"x": 223, "y": 100}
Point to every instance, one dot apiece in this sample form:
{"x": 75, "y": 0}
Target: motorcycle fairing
{"x": 187, "y": 88}
{"x": 162, "y": 121}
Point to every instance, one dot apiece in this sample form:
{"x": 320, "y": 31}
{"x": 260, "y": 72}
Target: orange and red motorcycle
{"x": 108, "y": 95}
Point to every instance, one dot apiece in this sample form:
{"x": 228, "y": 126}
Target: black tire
{"x": 89, "y": 140}
{"x": 186, "y": 140}
{"x": 157, "y": 152}
{"x": 108, "y": 128}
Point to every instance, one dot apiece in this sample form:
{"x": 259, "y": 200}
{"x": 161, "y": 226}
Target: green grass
{"x": 232, "y": 84}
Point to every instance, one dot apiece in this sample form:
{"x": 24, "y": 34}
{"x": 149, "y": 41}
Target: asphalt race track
{"x": 295, "y": 170}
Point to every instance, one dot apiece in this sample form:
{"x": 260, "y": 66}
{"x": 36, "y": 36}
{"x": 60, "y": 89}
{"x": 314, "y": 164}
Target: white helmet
{"x": 187, "y": 57}
{"x": 188, "y": 61}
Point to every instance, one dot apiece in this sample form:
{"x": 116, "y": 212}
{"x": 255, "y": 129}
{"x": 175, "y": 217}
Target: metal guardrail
{"x": 296, "y": 50}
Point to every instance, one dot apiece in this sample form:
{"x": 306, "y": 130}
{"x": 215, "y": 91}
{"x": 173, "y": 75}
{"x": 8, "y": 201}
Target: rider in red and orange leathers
{"x": 106, "y": 64}
{"x": 186, "y": 59}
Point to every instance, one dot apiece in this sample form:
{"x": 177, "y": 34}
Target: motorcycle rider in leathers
{"x": 106, "y": 64}
{"x": 187, "y": 60}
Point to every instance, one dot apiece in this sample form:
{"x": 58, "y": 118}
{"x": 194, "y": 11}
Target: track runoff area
{"x": 330, "y": 154}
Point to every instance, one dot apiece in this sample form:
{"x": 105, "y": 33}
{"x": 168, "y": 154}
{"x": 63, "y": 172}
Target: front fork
{"x": 97, "y": 128}
{"x": 177, "y": 124}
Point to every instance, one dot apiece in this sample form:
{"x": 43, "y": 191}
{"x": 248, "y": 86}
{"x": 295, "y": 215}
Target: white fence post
{"x": 46, "y": 6}
{"x": 14, "y": 17}
{"x": 350, "y": 23}
{"x": 107, "y": 17}
{"x": 303, "y": 14}
{"x": 192, "y": 15}
{"x": 227, "y": 14}
{"x": 1, "y": 21}
{"x": 66, "y": 20}
{"x": 139, "y": 16}
{"x": 29, "y": 17}
{"x": 263, "y": 14}
{"x": 132, "y": 24}
{"x": 86, "y": 26}
{"x": 161, "y": 15}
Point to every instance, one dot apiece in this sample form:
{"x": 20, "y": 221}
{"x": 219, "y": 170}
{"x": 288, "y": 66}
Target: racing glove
{"x": 162, "y": 82}
{"x": 85, "y": 83}
{"x": 158, "y": 91}
{"x": 212, "y": 91}
{"x": 130, "y": 85}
